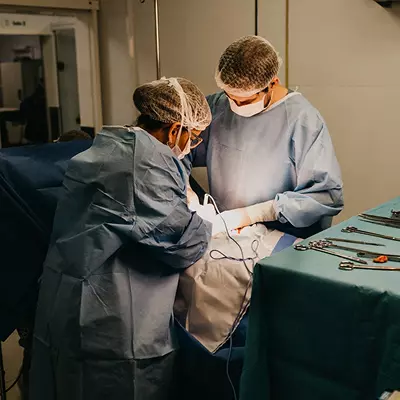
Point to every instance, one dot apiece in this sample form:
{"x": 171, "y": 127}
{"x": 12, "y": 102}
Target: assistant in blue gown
{"x": 122, "y": 233}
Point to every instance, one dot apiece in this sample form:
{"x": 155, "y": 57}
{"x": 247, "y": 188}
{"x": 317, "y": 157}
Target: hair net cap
{"x": 171, "y": 100}
{"x": 247, "y": 66}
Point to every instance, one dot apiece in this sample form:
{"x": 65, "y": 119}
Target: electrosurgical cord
{"x": 244, "y": 304}
{"x": 254, "y": 245}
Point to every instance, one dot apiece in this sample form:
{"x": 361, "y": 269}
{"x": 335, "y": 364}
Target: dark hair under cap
{"x": 173, "y": 100}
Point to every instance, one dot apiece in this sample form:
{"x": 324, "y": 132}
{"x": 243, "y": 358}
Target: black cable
{"x": 243, "y": 305}
{"x": 16, "y": 380}
{"x": 227, "y": 367}
{"x": 243, "y": 259}
{"x": 243, "y": 308}
{"x": 254, "y": 247}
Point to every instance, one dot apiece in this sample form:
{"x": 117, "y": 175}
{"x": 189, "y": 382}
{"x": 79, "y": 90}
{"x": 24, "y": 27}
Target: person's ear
{"x": 173, "y": 131}
{"x": 275, "y": 81}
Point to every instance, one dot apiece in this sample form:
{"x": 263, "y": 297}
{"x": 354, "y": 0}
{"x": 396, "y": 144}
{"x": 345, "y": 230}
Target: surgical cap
{"x": 174, "y": 100}
{"x": 247, "y": 66}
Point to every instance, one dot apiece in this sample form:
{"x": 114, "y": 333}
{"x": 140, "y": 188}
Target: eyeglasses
{"x": 195, "y": 140}
{"x": 247, "y": 101}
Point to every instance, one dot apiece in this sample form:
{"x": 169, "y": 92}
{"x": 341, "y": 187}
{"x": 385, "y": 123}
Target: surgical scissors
{"x": 349, "y": 266}
{"x": 360, "y": 252}
{"x": 353, "y": 229}
{"x": 302, "y": 247}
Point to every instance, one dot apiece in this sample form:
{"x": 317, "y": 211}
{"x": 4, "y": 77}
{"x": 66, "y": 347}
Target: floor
{"x": 12, "y": 356}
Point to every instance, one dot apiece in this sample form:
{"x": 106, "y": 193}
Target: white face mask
{"x": 180, "y": 154}
{"x": 249, "y": 110}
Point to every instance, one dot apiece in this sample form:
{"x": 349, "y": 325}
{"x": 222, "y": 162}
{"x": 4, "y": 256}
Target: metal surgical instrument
{"x": 380, "y": 221}
{"x": 302, "y": 247}
{"x": 395, "y": 214}
{"x": 378, "y": 218}
{"x": 390, "y": 257}
{"x": 353, "y": 241}
{"x": 326, "y": 244}
{"x": 360, "y": 252}
{"x": 370, "y": 221}
{"x": 349, "y": 266}
{"x": 353, "y": 229}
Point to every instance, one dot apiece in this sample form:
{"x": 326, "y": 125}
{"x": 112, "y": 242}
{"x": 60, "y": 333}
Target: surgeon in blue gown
{"x": 268, "y": 152}
{"x": 122, "y": 233}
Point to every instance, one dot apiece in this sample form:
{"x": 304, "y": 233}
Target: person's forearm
{"x": 191, "y": 246}
{"x": 242, "y": 217}
{"x": 262, "y": 212}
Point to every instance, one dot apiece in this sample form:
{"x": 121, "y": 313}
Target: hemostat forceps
{"x": 360, "y": 252}
{"x": 316, "y": 247}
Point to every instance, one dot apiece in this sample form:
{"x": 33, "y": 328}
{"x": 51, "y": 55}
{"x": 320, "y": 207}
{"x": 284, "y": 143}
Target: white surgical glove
{"x": 207, "y": 212}
{"x": 192, "y": 199}
{"x": 242, "y": 217}
{"x": 262, "y": 212}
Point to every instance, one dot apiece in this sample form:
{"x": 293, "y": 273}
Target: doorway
{"x": 22, "y": 95}
{"x": 52, "y": 67}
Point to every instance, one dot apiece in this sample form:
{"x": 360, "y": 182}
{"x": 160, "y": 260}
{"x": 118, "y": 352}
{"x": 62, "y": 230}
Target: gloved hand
{"x": 262, "y": 212}
{"x": 234, "y": 219}
{"x": 192, "y": 199}
{"x": 242, "y": 217}
{"x": 207, "y": 212}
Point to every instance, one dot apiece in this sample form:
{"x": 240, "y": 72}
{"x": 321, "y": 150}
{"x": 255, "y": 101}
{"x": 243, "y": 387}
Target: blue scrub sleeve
{"x": 164, "y": 223}
{"x": 319, "y": 190}
{"x": 180, "y": 241}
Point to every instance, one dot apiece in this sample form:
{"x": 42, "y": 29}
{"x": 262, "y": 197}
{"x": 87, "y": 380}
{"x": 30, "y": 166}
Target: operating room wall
{"x": 118, "y": 73}
{"x": 345, "y": 58}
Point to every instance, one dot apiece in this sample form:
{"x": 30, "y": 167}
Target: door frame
{"x": 66, "y": 4}
{"x": 85, "y": 26}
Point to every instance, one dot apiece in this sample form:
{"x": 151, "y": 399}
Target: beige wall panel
{"x": 345, "y": 58}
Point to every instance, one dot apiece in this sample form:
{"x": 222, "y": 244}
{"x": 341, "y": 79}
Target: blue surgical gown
{"x": 122, "y": 233}
{"x": 284, "y": 153}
